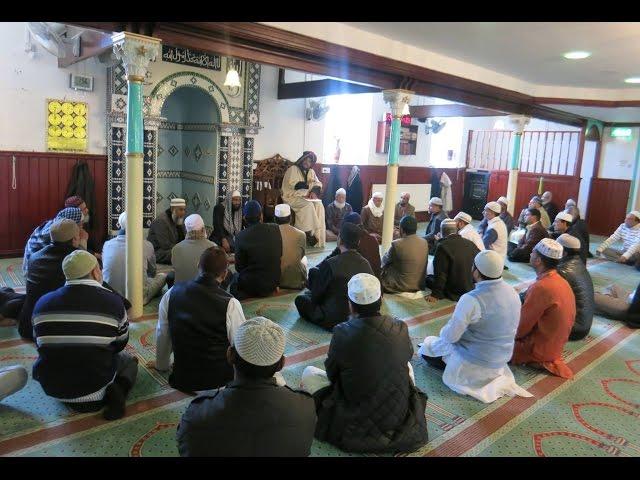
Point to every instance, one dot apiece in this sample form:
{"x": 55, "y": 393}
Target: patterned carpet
{"x": 595, "y": 414}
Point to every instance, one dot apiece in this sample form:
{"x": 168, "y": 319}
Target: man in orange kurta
{"x": 547, "y": 315}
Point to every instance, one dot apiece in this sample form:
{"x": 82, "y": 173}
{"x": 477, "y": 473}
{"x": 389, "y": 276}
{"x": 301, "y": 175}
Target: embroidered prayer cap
{"x": 74, "y": 201}
{"x": 178, "y": 202}
{"x": 377, "y": 195}
{"x": 341, "y": 191}
{"x": 252, "y": 209}
{"x": 78, "y": 264}
{"x": 567, "y": 217}
{"x": 63, "y": 230}
{"x": 503, "y": 200}
{"x": 282, "y": 210}
{"x": 122, "y": 221}
{"x": 549, "y": 248}
{"x": 236, "y": 193}
{"x": 259, "y": 341}
{"x": 72, "y": 213}
{"x": 635, "y": 213}
{"x": 353, "y": 217}
{"x": 489, "y": 263}
{"x": 193, "y": 222}
{"x": 465, "y": 217}
{"x": 364, "y": 289}
{"x": 435, "y": 201}
{"x": 494, "y": 207}
{"x": 569, "y": 241}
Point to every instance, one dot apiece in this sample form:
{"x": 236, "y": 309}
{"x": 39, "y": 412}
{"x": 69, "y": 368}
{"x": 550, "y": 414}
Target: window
{"x": 348, "y": 122}
{"x": 445, "y": 145}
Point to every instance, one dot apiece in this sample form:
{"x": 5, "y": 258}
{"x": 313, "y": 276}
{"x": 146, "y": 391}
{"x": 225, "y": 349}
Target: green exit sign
{"x": 621, "y": 132}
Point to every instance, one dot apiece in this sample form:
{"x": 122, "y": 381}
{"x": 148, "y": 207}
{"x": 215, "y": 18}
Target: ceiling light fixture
{"x": 577, "y": 55}
{"x": 632, "y": 80}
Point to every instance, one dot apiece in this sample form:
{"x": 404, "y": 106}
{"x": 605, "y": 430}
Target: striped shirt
{"x": 630, "y": 240}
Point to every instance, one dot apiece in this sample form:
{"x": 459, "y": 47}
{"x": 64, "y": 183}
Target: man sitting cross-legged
{"x": 293, "y": 263}
{"x": 185, "y": 255}
{"x": 367, "y": 400}
{"x": 368, "y": 246}
{"x": 534, "y": 233}
{"x": 197, "y": 319}
{"x": 629, "y": 233}
{"x": 253, "y": 415}
{"x": 477, "y": 342}
{"x": 404, "y": 265}
{"x": 81, "y": 330}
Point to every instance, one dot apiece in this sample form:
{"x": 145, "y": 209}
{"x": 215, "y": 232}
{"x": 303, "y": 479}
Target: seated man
{"x": 368, "y": 246}
{"x": 548, "y": 205}
{"x": 373, "y": 216}
{"x": 293, "y": 263}
{"x": 477, "y": 342}
{"x": 561, "y": 224}
{"x": 167, "y": 230}
{"x": 45, "y": 273}
{"x": 495, "y": 236}
{"x": 366, "y": 400}
{"x": 185, "y": 256}
{"x": 12, "y": 380}
{"x": 252, "y": 416}
{"x": 197, "y": 319}
{"x": 547, "y": 315}
{"x": 466, "y": 230}
{"x": 535, "y": 233}
{"x": 433, "y": 227}
{"x": 452, "y": 262}
{"x": 301, "y": 190}
{"x": 403, "y": 207}
{"x": 326, "y": 304}
{"x": 335, "y": 213}
{"x": 81, "y": 330}
{"x": 257, "y": 257}
{"x": 86, "y": 242}
{"x": 629, "y": 233}
{"x": 227, "y": 222}
{"x": 521, "y": 231}
{"x": 114, "y": 261}
{"x": 40, "y": 237}
{"x": 580, "y": 230}
{"x": 505, "y": 216}
{"x": 618, "y": 303}
{"x": 404, "y": 265}
{"x": 575, "y": 272}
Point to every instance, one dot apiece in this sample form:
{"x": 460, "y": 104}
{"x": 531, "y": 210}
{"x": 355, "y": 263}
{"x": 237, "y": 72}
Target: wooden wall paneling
{"x": 497, "y": 184}
{"x": 607, "y": 205}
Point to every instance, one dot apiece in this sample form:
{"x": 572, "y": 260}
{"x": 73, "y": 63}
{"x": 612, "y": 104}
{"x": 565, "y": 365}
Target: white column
{"x": 518, "y": 122}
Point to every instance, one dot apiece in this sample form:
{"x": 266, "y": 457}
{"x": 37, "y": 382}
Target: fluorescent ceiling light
{"x": 632, "y": 80}
{"x": 577, "y": 55}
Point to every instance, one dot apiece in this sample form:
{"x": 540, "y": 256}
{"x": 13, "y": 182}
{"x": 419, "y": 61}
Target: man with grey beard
{"x": 167, "y": 230}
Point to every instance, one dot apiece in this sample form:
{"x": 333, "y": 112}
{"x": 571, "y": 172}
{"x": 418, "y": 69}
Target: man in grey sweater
{"x": 186, "y": 254}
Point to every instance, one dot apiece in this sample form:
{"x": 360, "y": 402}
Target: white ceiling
{"x": 531, "y": 51}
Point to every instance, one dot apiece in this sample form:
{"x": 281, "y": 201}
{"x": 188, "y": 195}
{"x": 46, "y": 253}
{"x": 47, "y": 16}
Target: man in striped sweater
{"x": 81, "y": 330}
{"x": 629, "y": 233}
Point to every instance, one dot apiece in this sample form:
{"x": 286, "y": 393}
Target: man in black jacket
{"x": 253, "y": 416}
{"x": 452, "y": 264}
{"x": 227, "y": 222}
{"x": 326, "y": 305}
{"x": 367, "y": 401}
{"x": 574, "y": 271}
{"x": 258, "y": 251}
{"x": 437, "y": 216}
{"x": 580, "y": 230}
{"x": 167, "y": 230}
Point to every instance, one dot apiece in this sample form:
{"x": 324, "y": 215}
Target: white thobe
{"x": 460, "y": 375}
{"x": 309, "y": 213}
{"x": 470, "y": 233}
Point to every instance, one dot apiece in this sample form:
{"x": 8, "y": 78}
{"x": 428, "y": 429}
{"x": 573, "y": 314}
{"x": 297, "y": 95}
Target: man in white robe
{"x": 477, "y": 342}
{"x": 301, "y": 190}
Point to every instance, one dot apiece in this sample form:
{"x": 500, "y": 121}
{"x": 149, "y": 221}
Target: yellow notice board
{"x": 66, "y": 126}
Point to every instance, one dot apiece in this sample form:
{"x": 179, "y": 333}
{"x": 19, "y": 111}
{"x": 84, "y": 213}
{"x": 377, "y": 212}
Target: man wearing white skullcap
{"x": 433, "y": 226}
{"x": 373, "y": 216}
{"x": 475, "y": 345}
{"x": 335, "y": 213}
{"x": 505, "y": 216}
{"x": 575, "y": 272}
{"x": 114, "y": 264}
{"x": 227, "y": 221}
{"x": 466, "y": 230}
{"x": 252, "y": 416}
{"x": 167, "y": 230}
{"x": 293, "y": 263}
{"x": 629, "y": 233}
{"x": 368, "y": 357}
{"x": 186, "y": 254}
{"x": 495, "y": 236}
{"x": 561, "y": 224}
{"x": 547, "y": 315}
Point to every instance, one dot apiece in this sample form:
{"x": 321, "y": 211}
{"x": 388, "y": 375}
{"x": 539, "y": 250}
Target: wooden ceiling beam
{"x": 455, "y": 110}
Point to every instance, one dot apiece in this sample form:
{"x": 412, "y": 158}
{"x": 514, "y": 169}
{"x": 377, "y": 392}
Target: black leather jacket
{"x": 573, "y": 270}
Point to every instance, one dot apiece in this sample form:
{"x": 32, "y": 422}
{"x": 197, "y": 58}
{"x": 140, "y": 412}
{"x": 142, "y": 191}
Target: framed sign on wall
{"x": 66, "y": 126}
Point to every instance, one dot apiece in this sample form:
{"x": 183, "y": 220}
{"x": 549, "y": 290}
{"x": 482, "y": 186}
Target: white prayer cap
{"x": 494, "y": 207}
{"x": 122, "y": 220}
{"x": 282, "y": 210}
{"x": 635, "y": 213}
{"x": 490, "y": 263}
{"x": 259, "y": 341}
{"x": 377, "y": 195}
{"x": 569, "y": 241}
{"x": 564, "y": 216}
{"x": 341, "y": 191}
{"x": 570, "y": 202}
{"x": 178, "y": 202}
{"x": 435, "y": 201}
{"x": 549, "y": 248}
{"x": 236, "y": 193}
{"x": 503, "y": 200}
{"x": 364, "y": 289}
{"x": 465, "y": 217}
{"x": 193, "y": 222}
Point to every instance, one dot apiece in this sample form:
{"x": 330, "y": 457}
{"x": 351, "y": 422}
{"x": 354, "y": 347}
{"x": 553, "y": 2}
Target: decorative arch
{"x": 170, "y": 83}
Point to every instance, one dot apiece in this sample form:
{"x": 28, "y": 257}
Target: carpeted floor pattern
{"x": 595, "y": 414}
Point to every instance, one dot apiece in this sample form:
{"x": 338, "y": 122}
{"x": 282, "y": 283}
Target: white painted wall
{"x": 26, "y": 83}
{"x": 618, "y": 155}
